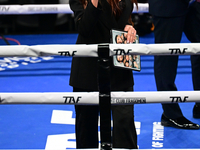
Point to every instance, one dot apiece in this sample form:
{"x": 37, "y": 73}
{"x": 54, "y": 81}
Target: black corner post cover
{"x": 104, "y": 96}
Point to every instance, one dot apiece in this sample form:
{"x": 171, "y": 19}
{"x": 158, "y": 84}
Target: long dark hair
{"x": 114, "y": 6}
{"x": 84, "y": 2}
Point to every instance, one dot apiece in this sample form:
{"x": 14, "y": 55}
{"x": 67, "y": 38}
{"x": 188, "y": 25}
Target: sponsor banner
{"x": 155, "y": 49}
{"x": 122, "y": 98}
{"x": 52, "y": 9}
{"x": 35, "y": 9}
{"x": 154, "y": 97}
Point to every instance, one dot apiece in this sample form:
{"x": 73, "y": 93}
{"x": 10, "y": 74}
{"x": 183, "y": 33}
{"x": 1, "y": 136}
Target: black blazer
{"x": 168, "y": 8}
{"x": 93, "y": 26}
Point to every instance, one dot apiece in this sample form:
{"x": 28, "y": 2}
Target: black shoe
{"x": 196, "y": 111}
{"x": 181, "y": 122}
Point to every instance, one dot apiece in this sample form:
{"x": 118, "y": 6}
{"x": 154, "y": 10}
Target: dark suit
{"x": 170, "y": 21}
{"x": 93, "y": 26}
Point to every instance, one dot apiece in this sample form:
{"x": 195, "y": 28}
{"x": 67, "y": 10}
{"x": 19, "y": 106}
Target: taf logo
{"x": 71, "y": 99}
{"x": 1, "y": 100}
{"x": 178, "y": 99}
{"x": 4, "y": 8}
{"x": 67, "y": 53}
{"x": 121, "y": 51}
{"x": 177, "y": 50}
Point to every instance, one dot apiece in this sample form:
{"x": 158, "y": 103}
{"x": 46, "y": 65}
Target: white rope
{"x": 93, "y": 97}
{"x": 68, "y": 98}
{"x": 51, "y": 9}
{"x": 82, "y": 50}
{"x": 156, "y": 49}
{"x": 80, "y": 98}
{"x": 47, "y": 50}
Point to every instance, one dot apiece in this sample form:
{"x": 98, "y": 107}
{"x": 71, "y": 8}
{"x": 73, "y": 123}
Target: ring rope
{"x": 82, "y": 50}
{"x": 52, "y": 9}
{"x": 92, "y": 98}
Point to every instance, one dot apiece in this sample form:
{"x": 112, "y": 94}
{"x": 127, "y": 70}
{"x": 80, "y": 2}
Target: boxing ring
{"x": 103, "y": 52}
{"x": 94, "y": 51}
{"x": 104, "y": 98}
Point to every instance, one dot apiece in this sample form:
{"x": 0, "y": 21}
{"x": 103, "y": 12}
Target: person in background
{"x": 94, "y": 20}
{"x": 192, "y": 32}
{"x": 171, "y": 18}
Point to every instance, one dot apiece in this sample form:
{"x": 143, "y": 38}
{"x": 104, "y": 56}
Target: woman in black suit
{"x": 94, "y": 19}
{"x": 171, "y": 18}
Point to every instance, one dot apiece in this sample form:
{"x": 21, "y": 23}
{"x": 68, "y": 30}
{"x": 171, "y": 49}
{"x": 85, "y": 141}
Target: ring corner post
{"x": 104, "y": 96}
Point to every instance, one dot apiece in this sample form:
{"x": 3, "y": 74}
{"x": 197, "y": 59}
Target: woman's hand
{"x": 131, "y": 35}
{"x": 95, "y": 3}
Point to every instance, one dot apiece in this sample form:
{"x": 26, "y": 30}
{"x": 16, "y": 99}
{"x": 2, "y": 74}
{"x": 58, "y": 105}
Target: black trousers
{"x": 123, "y": 134}
{"x": 169, "y": 30}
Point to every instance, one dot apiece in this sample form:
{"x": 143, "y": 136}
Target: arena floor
{"x": 49, "y": 126}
